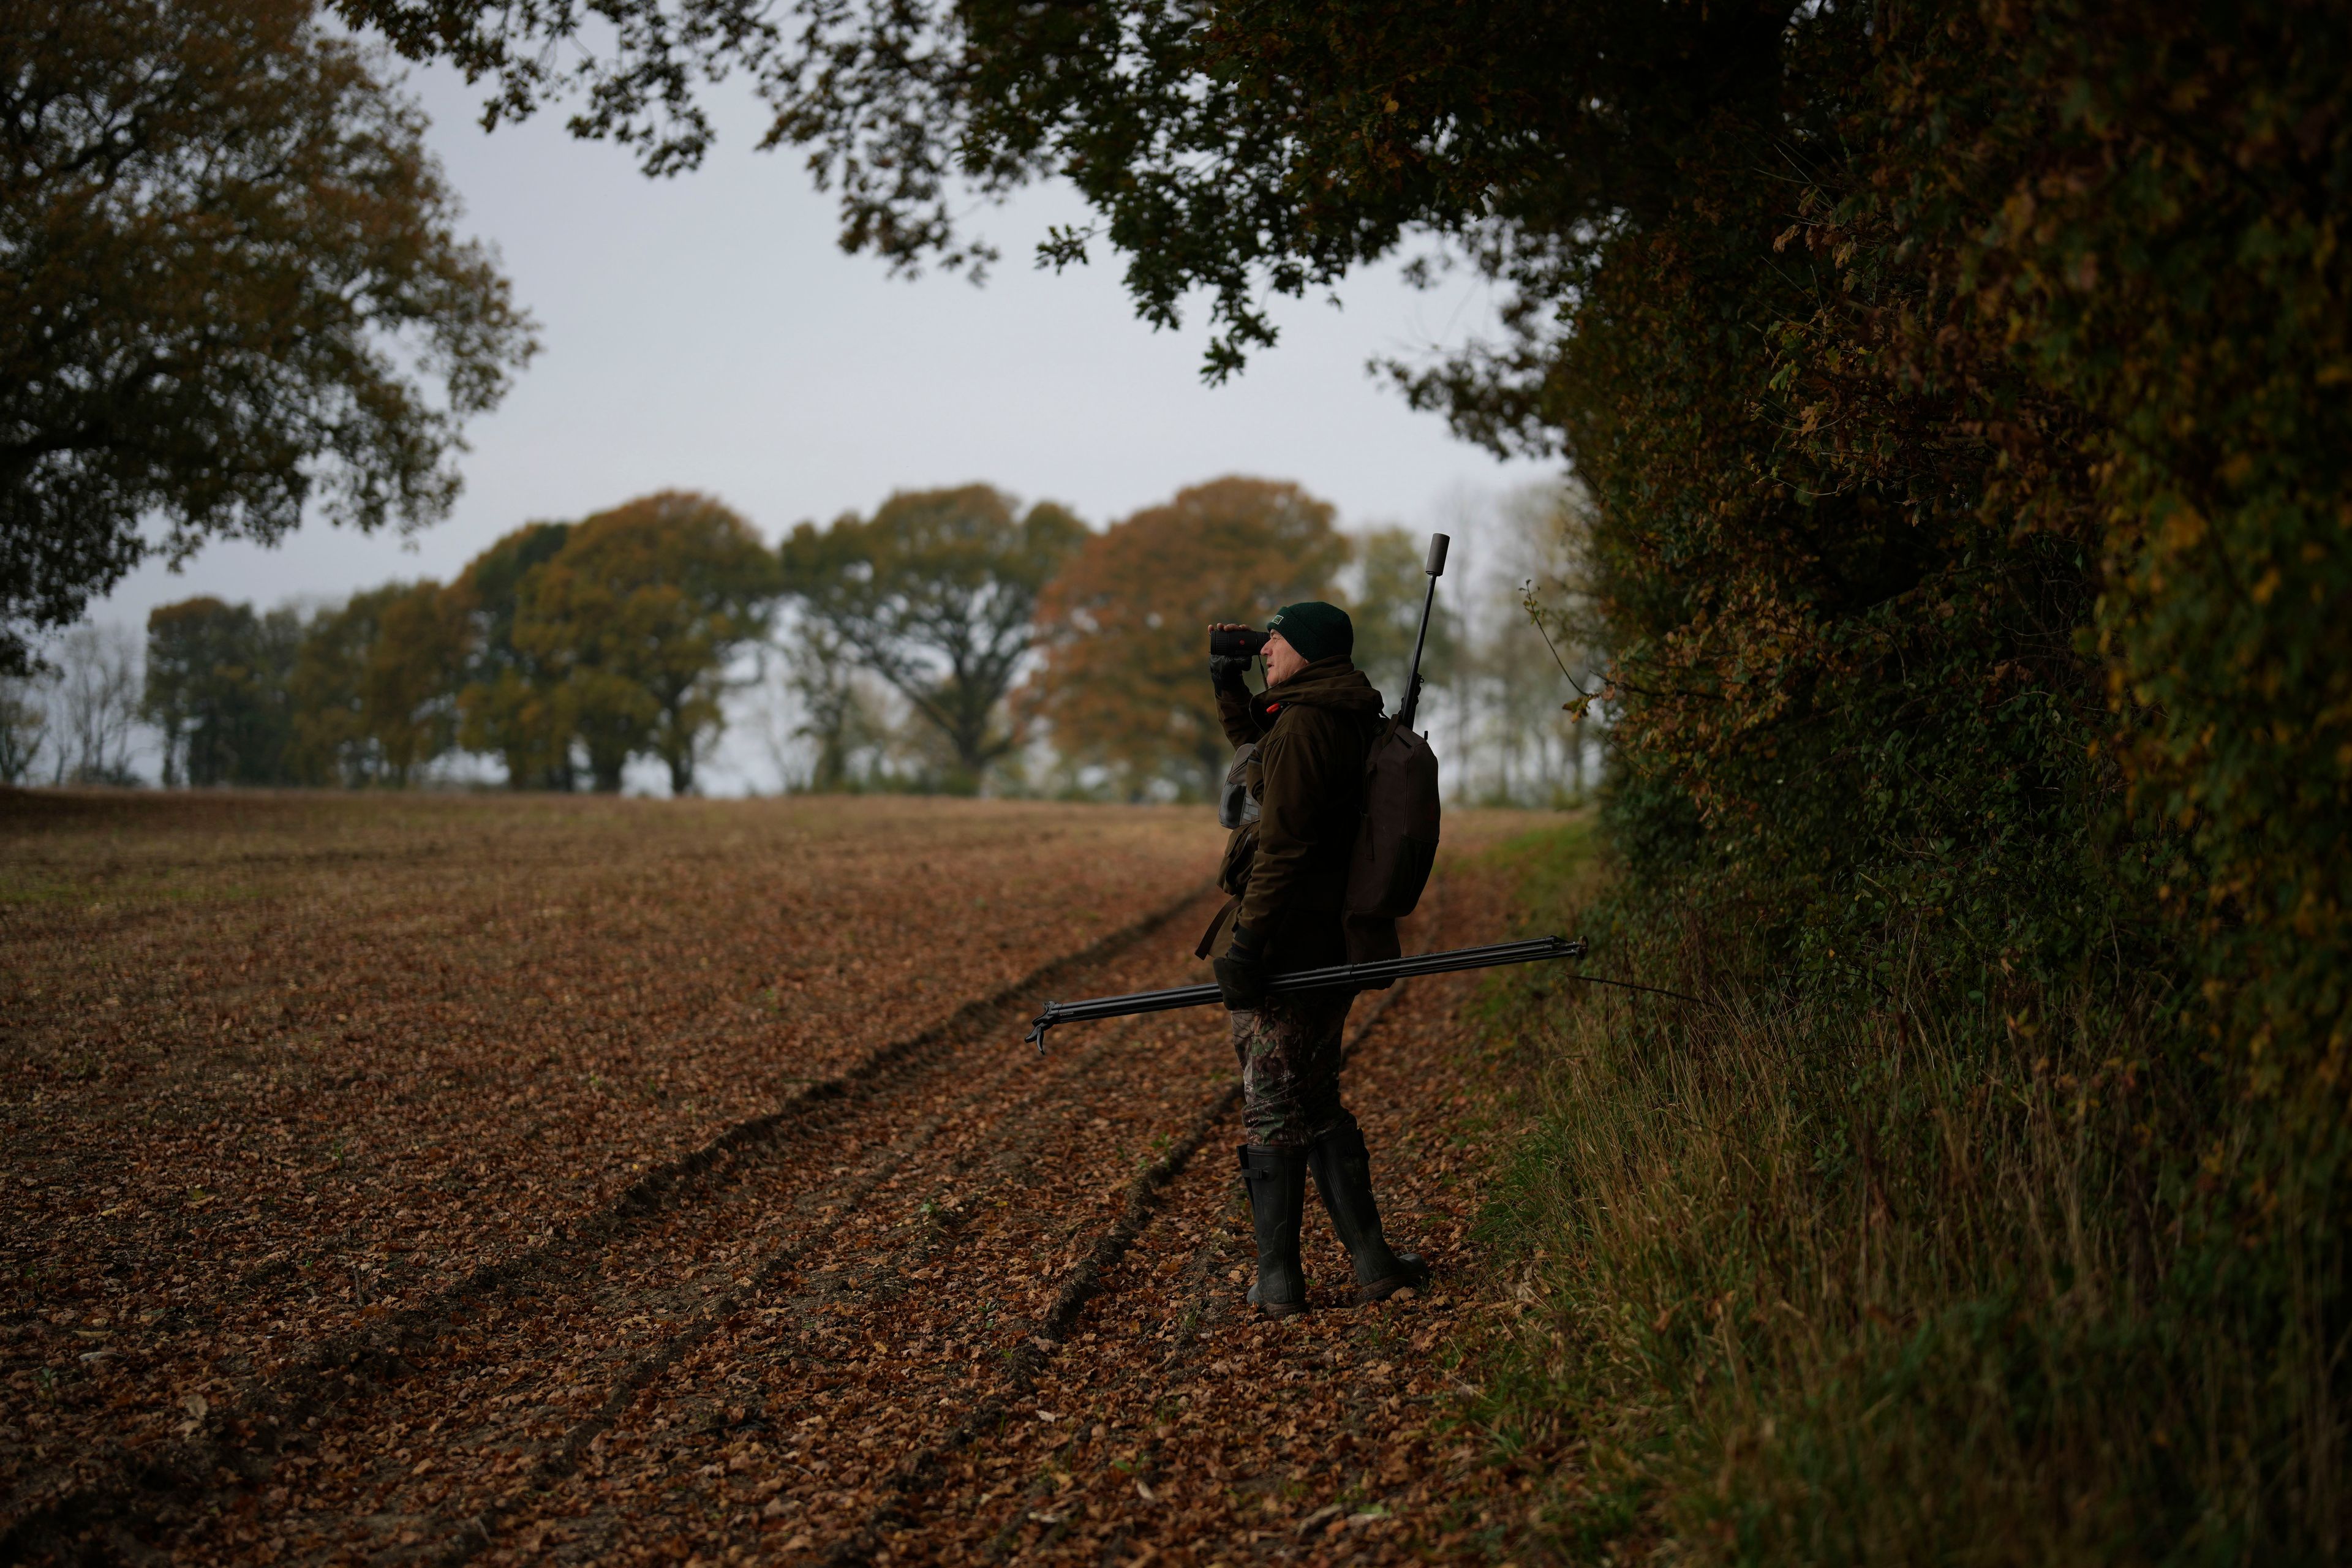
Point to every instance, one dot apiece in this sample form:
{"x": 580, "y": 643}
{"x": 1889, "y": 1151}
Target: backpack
{"x": 1235, "y": 804}
{"x": 1396, "y": 840}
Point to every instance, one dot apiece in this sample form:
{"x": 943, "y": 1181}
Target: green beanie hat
{"x": 1315, "y": 629}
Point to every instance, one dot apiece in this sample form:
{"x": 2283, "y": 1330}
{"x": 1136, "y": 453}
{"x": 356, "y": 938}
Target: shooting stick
{"x": 1351, "y": 976}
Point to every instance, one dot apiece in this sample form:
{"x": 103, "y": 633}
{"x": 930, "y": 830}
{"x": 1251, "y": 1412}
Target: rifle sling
{"x": 1209, "y": 937}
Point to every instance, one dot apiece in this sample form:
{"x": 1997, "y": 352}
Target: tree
{"x": 374, "y": 688}
{"x": 638, "y": 615}
{"x": 935, "y": 596}
{"x": 23, "y": 725}
{"x": 94, "y": 706}
{"x": 408, "y": 689}
{"x": 1546, "y": 555}
{"x": 512, "y": 702}
{"x": 836, "y": 717}
{"x": 330, "y": 743}
{"x": 1124, "y": 680}
{"x": 218, "y": 686}
{"x": 227, "y": 276}
{"x": 1507, "y": 656}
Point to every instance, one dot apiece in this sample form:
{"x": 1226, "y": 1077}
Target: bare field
{"x": 413, "y": 1177}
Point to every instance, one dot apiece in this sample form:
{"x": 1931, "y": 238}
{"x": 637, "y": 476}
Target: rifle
{"x": 1339, "y": 976}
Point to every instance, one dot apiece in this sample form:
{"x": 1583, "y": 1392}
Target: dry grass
{"x": 1893, "y": 1286}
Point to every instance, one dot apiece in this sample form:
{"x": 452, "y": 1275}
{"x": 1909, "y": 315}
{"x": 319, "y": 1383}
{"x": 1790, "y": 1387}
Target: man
{"x": 1312, "y": 727}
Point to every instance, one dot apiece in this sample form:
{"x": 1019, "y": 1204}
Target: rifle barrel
{"x": 1356, "y": 975}
{"x": 1436, "y": 568}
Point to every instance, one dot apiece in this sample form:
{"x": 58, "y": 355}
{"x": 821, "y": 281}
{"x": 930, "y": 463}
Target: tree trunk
{"x": 832, "y": 762}
{"x": 971, "y": 750}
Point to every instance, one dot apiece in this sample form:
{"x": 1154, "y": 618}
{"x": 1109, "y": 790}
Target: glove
{"x": 1225, "y": 674}
{"x": 1241, "y": 973}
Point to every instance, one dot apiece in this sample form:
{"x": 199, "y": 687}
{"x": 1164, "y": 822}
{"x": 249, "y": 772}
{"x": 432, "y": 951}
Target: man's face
{"x": 1282, "y": 660}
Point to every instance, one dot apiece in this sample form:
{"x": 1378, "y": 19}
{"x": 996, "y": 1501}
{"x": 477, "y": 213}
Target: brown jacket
{"x": 1290, "y": 867}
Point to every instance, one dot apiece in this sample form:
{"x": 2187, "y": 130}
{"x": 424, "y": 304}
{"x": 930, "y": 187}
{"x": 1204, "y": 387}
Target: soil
{"x": 523, "y": 1180}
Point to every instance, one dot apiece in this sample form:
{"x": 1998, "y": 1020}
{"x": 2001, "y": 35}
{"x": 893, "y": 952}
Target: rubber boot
{"x": 1278, "y": 1192}
{"x": 1343, "y": 1174}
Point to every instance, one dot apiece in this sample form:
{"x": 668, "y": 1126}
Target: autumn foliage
{"x": 230, "y": 291}
{"x": 935, "y": 596}
{"x": 1972, "y": 520}
{"x": 634, "y": 622}
{"x": 1121, "y": 681}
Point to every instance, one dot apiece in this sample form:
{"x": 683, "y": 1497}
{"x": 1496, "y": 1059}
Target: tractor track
{"x": 1016, "y": 1135}
{"x": 115, "y": 1517}
{"x": 802, "y": 1376}
{"x": 1016, "y": 1108}
{"x": 1144, "y": 1197}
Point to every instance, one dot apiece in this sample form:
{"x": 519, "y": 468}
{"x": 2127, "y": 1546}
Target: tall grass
{"x": 1891, "y": 1284}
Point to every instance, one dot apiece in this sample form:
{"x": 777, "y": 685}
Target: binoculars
{"x": 1242, "y": 643}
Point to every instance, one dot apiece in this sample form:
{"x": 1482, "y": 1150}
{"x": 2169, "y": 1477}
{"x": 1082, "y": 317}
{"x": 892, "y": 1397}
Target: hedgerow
{"x": 1971, "y": 528}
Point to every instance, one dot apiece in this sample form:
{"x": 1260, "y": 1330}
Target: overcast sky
{"x": 705, "y": 332}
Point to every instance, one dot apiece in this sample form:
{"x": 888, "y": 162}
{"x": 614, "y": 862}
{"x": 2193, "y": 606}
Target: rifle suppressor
{"x": 1353, "y": 976}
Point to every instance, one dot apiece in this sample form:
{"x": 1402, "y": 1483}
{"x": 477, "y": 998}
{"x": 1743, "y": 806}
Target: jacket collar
{"x": 1334, "y": 684}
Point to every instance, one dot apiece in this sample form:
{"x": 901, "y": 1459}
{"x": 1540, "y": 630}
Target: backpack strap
{"x": 1382, "y": 726}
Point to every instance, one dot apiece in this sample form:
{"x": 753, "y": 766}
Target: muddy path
{"x": 957, "y": 1303}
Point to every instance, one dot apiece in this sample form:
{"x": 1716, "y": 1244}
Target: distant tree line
{"x": 565, "y": 650}
{"x": 951, "y": 641}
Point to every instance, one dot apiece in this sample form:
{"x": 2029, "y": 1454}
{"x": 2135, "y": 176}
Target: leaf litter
{"x": 350, "y": 1187}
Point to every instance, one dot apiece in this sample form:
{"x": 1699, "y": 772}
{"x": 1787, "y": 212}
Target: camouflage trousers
{"x": 1290, "y": 1050}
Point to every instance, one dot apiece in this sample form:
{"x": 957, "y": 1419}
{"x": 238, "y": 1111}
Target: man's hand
{"x": 1227, "y": 673}
{"x": 1241, "y": 973}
